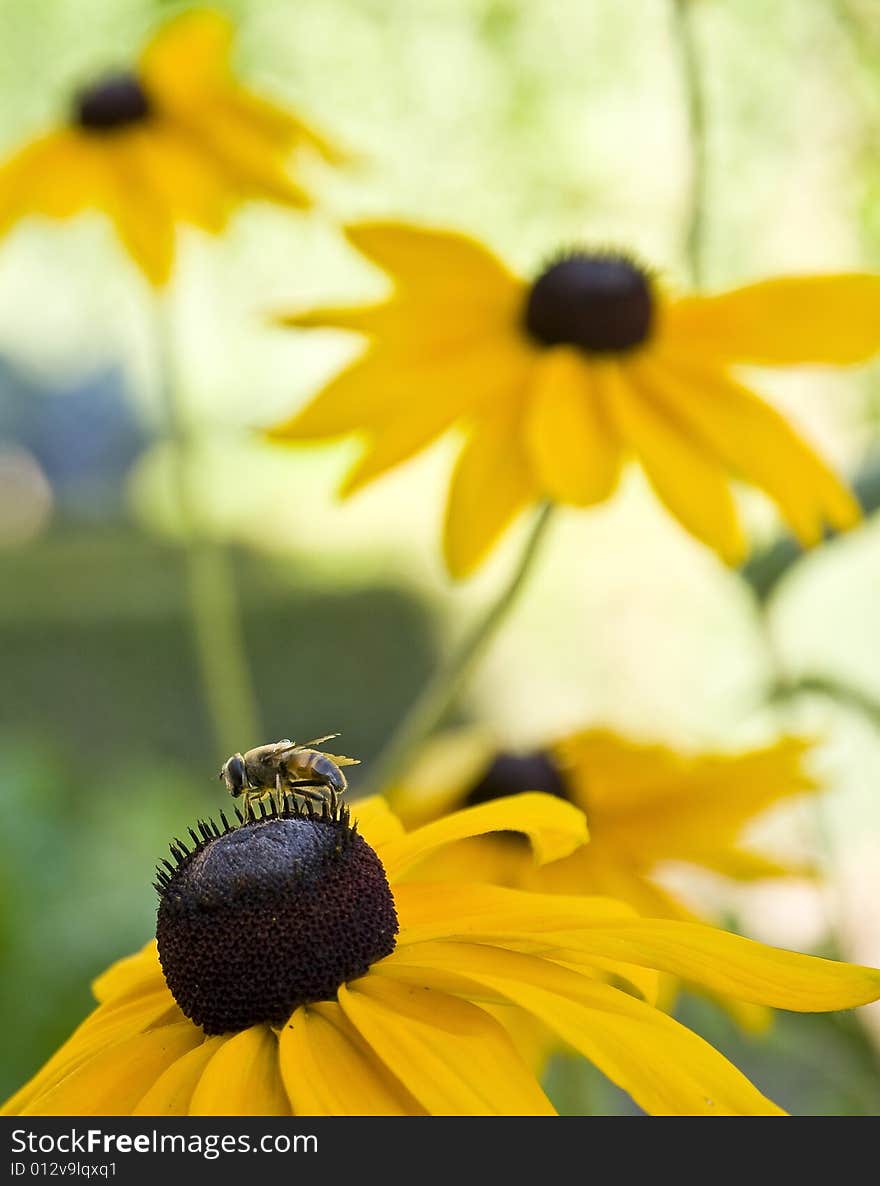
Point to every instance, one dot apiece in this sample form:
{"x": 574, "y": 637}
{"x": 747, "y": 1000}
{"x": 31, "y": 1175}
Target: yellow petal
{"x": 106, "y": 1026}
{"x": 735, "y": 967}
{"x": 569, "y": 437}
{"x": 532, "y": 1040}
{"x": 424, "y": 327}
{"x": 57, "y": 175}
{"x": 793, "y": 319}
{"x": 668, "y": 1070}
{"x": 650, "y": 803}
{"x": 283, "y": 127}
{"x": 495, "y": 914}
{"x": 142, "y": 220}
{"x": 113, "y": 1081}
{"x": 376, "y": 822}
{"x": 620, "y": 776}
{"x": 248, "y": 161}
{"x": 138, "y": 973}
{"x": 243, "y": 1078}
{"x": 741, "y": 865}
{"x": 328, "y": 1070}
{"x": 171, "y": 1093}
{"x": 360, "y": 319}
{"x": 421, "y": 258}
{"x": 404, "y": 402}
{"x": 491, "y": 485}
{"x": 432, "y": 395}
{"x": 685, "y": 476}
{"x": 605, "y": 868}
{"x": 357, "y": 398}
{"x": 498, "y": 859}
{"x": 451, "y": 1055}
{"x": 755, "y": 441}
{"x": 545, "y": 926}
{"x": 186, "y": 57}
{"x": 184, "y": 180}
{"x": 554, "y": 827}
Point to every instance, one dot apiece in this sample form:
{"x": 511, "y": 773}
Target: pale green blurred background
{"x": 534, "y": 125}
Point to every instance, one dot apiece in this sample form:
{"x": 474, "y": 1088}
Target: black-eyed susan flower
{"x": 298, "y": 973}
{"x": 174, "y": 140}
{"x": 555, "y": 383}
{"x": 647, "y": 806}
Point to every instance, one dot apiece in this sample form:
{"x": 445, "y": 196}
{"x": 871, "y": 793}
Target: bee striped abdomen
{"x": 319, "y": 766}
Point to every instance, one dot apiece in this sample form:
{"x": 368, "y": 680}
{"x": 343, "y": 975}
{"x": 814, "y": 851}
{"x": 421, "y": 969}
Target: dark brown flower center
{"x": 511, "y": 774}
{"x": 261, "y": 918}
{"x": 601, "y": 303}
{"x": 111, "y": 104}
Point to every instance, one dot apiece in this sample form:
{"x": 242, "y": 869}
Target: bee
{"x": 271, "y": 771}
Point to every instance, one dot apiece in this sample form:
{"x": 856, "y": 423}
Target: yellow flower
{"x": 556, "y": 382}
{"x": 646, "y": 805}
{"x": 320, "y": 989}
{"x": 177, "y": 140}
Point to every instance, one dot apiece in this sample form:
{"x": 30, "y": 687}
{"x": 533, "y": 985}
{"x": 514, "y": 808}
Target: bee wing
{"x": 319, "y": 740}
{"x": 340, "y": 760}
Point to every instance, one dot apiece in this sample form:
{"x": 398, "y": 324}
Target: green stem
{"x": 696, "y": 114}
{"x": 441, "y": 692}
{"x": 214, "y": 610}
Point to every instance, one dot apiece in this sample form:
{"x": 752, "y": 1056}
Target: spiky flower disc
{"x": 259, "y": 919}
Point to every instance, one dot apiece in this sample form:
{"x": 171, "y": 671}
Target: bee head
{"x": 234, "y": 774}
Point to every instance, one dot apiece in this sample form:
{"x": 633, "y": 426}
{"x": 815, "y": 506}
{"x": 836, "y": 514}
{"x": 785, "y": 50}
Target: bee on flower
{"x": 303, "y": 966}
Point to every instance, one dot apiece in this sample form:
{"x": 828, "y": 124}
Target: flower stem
{"x": 214, "y": 609}
{"x": 694, "y": 243}
{"x": 442, "y": 690}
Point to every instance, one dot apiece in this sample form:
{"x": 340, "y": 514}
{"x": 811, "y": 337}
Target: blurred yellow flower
{"x": 391, "y": 980}
{"x": 556, "y": 382}
{"x": 646, "y": 805}
{"x": 176, "y": 140}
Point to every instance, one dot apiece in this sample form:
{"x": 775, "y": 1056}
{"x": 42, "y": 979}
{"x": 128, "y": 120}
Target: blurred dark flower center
{"x": 259, "y": 919}
{"x": 601, "y": 303}
{"x": 112, "y": 103}
{"x": 511, "y": 774}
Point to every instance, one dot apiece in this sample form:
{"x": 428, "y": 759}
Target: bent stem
{"x": 443, "y": 689}
{"x": 696, "y": 115}
{"x": 214, "y": 609}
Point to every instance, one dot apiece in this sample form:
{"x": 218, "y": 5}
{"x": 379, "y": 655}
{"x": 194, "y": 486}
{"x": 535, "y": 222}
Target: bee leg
{"x": 307, "y": 788}
{"x": 279, "y": 793}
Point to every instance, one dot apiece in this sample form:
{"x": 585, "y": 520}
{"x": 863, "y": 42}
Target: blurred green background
{"x": 535, "y": 126}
